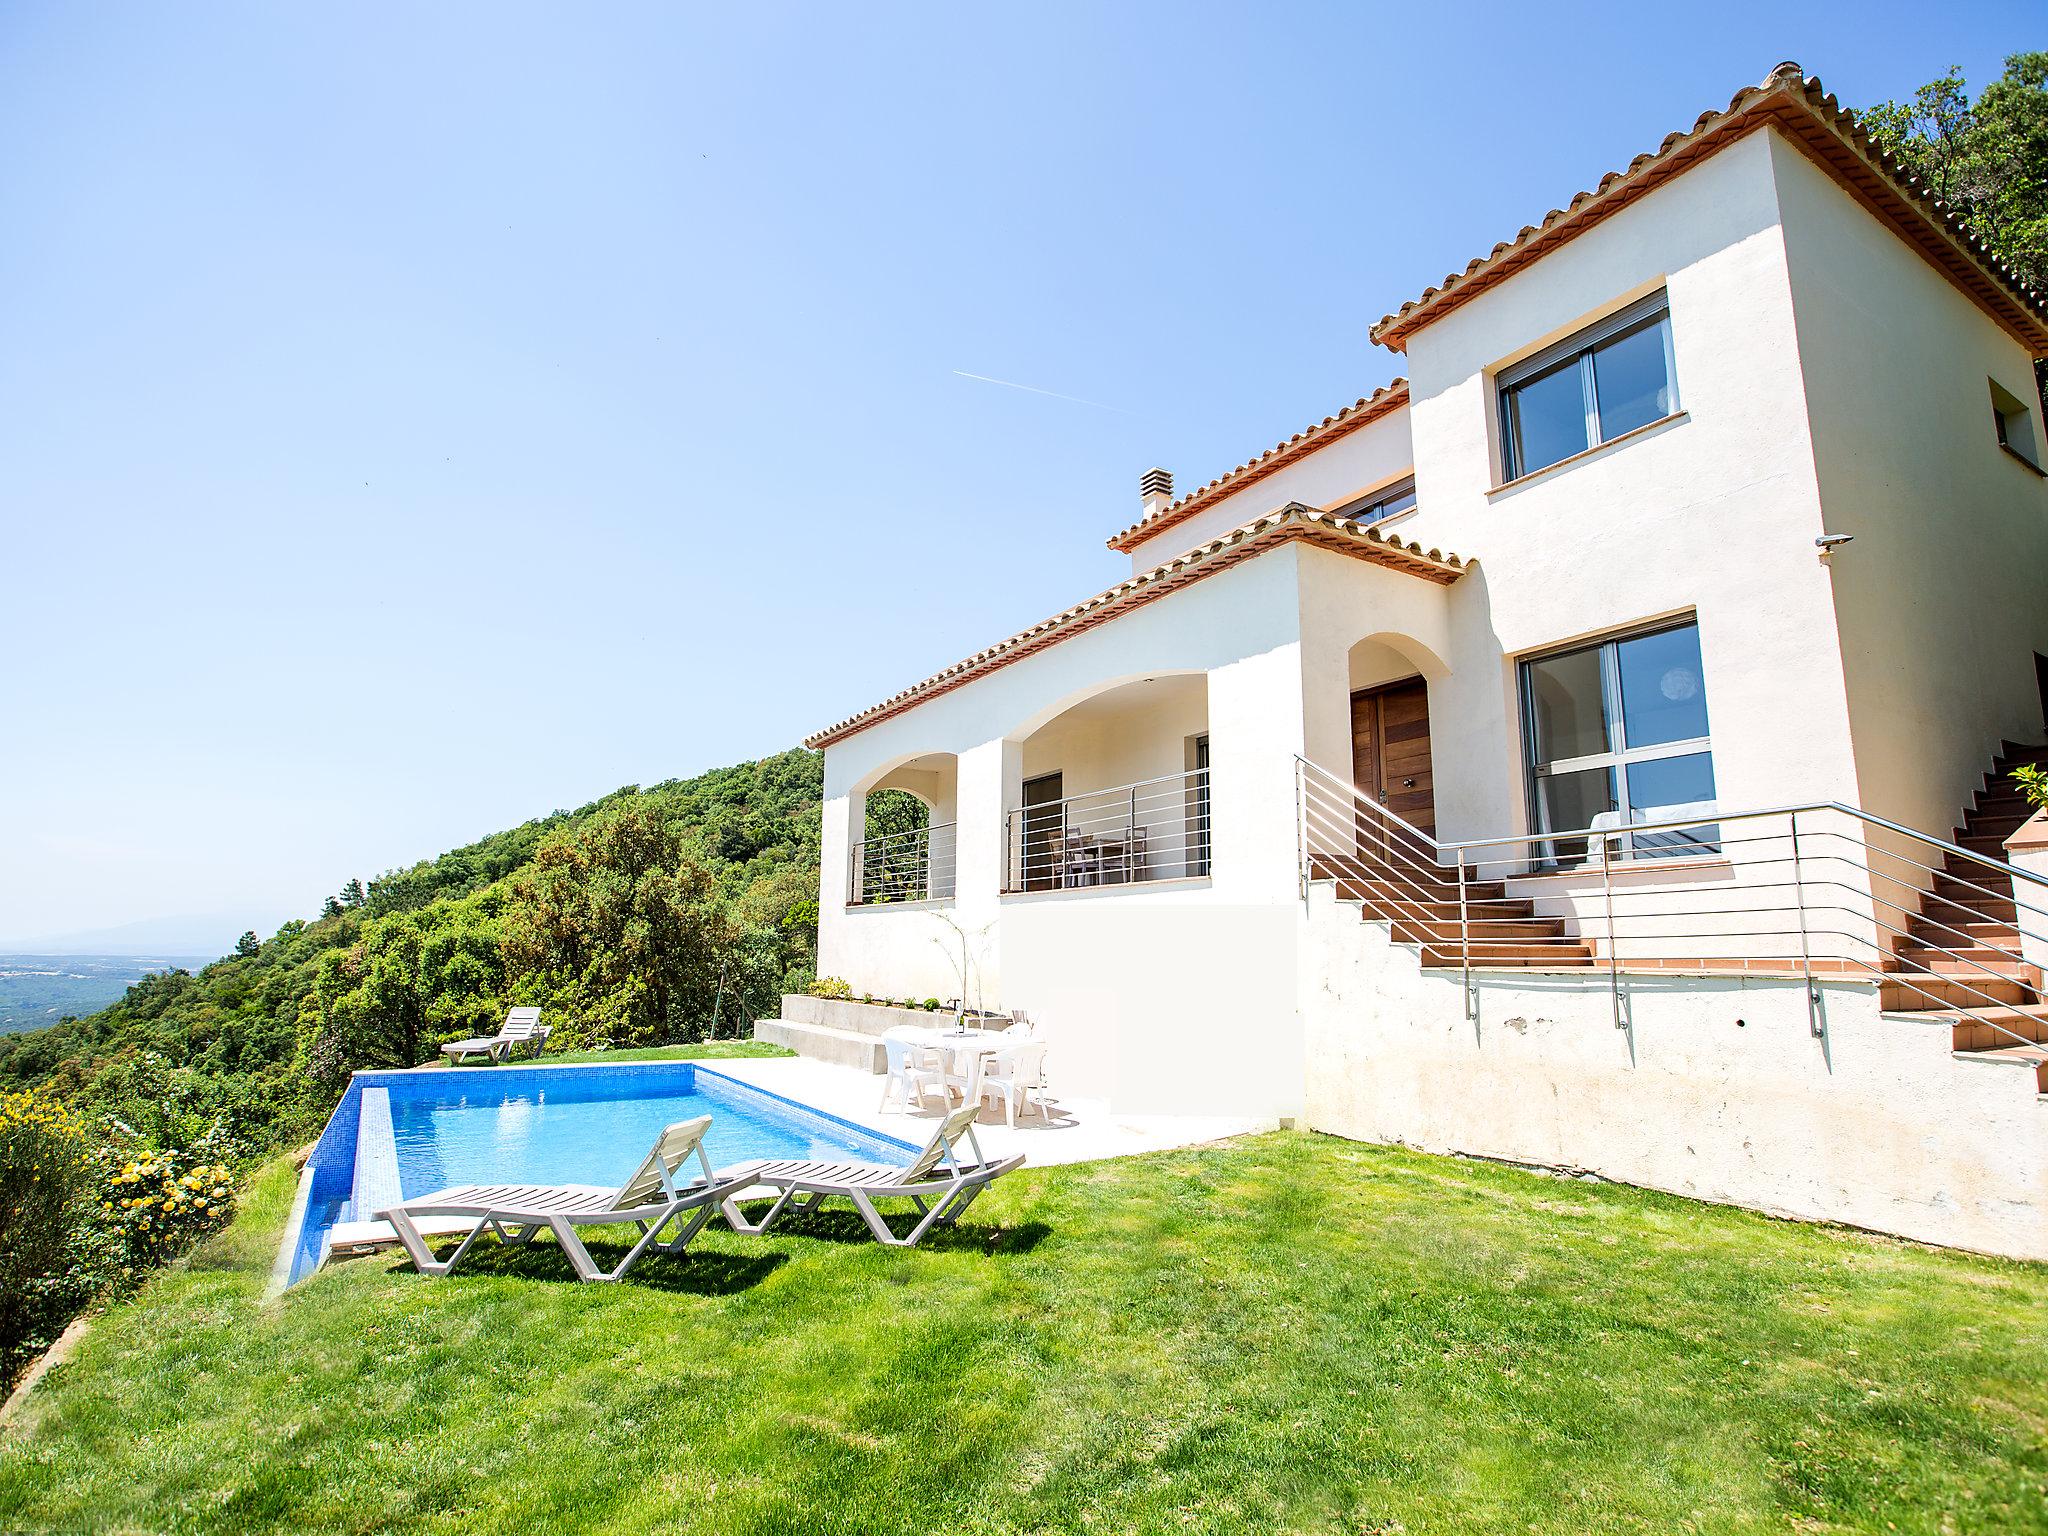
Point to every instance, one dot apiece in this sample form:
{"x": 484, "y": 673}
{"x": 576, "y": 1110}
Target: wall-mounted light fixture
{"x": 1828, "y": 543}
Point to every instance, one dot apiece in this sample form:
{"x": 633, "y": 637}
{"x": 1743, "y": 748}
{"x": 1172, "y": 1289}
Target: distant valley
{"x": 38, "y": 990}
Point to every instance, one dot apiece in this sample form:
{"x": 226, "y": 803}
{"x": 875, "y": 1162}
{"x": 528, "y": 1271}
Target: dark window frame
{"x": 1389, "y": 501}
{"x": 1616, "y": 758}
{"x": 1579, "y": 350}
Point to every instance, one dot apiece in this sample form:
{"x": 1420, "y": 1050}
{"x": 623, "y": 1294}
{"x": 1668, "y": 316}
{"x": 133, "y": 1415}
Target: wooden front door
{"x": 1390, "y": 750}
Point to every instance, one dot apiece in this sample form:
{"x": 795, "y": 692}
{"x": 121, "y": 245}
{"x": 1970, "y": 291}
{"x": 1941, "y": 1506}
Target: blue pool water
{"x": 544, "y": 1125}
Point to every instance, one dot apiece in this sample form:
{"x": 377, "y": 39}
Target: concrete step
{"x": 822, "y": 1042}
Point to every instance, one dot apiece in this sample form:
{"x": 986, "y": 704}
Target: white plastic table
{"x": 964, "y": 1043}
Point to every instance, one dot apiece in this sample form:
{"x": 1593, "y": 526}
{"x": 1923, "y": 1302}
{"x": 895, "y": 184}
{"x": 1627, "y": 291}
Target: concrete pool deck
{"x": 1078, "y": 1131}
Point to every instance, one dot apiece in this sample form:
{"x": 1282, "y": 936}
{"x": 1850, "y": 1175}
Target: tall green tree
{"x": 1986, "y": 159}
{"x": 621, "y": 919}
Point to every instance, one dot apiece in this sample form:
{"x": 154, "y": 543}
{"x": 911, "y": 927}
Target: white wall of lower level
{"x": 1718, "y": 1090}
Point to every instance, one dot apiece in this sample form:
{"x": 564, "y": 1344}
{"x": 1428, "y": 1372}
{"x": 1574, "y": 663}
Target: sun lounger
{"x": 656, "y": 1195}
{"x": 939, "y": 1183}
{"x": 522, "y": 1026}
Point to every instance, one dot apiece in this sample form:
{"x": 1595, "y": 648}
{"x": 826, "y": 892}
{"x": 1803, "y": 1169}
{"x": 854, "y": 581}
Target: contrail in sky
{"x": 1033, "y": 389}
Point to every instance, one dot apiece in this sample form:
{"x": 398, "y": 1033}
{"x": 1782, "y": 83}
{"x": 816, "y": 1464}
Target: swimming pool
{"x": 399, "y": 1135}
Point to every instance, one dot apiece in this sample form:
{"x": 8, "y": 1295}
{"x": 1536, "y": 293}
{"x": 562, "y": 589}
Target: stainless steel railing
{"x": 1820, "y": 890}
{"x": 1157, "y": 829}
{"x": 904, "y": 866}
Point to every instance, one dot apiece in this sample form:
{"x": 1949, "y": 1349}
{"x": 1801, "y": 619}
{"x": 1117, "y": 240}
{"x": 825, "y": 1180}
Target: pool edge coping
{"x": 280, "y": 1279}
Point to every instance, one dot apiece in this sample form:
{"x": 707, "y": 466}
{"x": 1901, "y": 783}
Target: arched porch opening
{"x": 1113, "y": 788}
{"x": 1389, "y": 679}
{"x": 904, "y": 839}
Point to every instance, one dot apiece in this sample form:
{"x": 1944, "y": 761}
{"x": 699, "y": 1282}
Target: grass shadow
{"x": 839, "y": 1224}
{"x": 702, "y": 1272}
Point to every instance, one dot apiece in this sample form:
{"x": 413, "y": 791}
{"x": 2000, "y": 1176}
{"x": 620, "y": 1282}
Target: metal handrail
{"x": 1123, "y": 834}
{"x": 1842, "y": 893}
{"x": 917, "y": 865}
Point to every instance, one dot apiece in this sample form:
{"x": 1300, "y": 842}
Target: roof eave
{"x": 1292, "y": 523}
{"x": 1822, "y": 129}
{"x": 1381, "y": 402}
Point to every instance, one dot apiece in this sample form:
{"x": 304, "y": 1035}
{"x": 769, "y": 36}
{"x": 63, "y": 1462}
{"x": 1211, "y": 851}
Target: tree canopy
{"x": 1987, "y": 160}
{"x": 626, "y": 921}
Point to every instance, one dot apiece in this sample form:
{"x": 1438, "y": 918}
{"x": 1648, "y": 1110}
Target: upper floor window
{"x": 1589, "y": 389}
{"x": 1616, "y": 735}
{"x": 1388, "y": 501}
{"x": 2014, "y": 424}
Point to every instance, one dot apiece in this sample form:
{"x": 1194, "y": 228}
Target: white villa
{"x": 1587, "y": 750}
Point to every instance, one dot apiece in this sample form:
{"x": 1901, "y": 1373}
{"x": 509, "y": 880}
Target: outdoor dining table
{"x": 960, "y": 1046}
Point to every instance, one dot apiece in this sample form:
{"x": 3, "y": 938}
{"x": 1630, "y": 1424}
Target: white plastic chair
{"x": 960, "y": 1071}
{"x": 1015, "y": 1073}
{"x": 908, "y": 1068}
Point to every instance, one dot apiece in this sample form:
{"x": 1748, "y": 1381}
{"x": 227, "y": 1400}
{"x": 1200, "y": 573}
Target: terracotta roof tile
{"x": 1827, "y": 133}
{"x": 1292, "y": 523}
{"x": 1387, "y": 398}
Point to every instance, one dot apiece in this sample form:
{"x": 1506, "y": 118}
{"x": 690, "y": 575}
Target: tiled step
{"x": 1990, "y": 1029}
{"x": 1516, "y": 956}
{"x": 1516, "y": 929}
{"x": 1963, "y": 867}
{"x": 1963, "y": 960}
{"x": 1923, "y": 993}
{"x": 1958, "y": 930}
{"x": 2035, "y": 1056}
{"x": 1951, "y": 900}
{"x": 821, "y": 1042}
{"x": 1387, "y": 906}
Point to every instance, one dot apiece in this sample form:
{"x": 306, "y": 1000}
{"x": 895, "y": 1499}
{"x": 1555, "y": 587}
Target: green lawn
{"x": 1287, "y": 1333}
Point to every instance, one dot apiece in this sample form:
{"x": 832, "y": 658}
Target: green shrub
{"x": 831, "y": 987}
{"x": 44, "y": 1167}
{"x": 159, "y": 1211}
{"x": 2033, "y": 783}
{"x": 930, "y": 1005}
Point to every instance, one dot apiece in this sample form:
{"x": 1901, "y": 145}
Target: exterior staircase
{"x": 1960, "y": 958}
{"x": 1420, "y": 907}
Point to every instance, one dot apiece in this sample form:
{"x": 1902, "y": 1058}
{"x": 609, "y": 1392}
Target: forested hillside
{"x": 627, "y": 921}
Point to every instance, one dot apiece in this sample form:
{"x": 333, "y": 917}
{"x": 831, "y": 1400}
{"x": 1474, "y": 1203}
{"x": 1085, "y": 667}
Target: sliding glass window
{"x": 1616, "y": 735}
{"x": 1391, "y": 501}
{"x": 1589, "y": 389}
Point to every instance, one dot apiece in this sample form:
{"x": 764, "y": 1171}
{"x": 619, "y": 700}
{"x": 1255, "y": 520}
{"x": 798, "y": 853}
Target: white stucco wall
{"x": 1220, "y": 994}
{"x": 1943, "y": 596}
{"x": 1099, "y": 968}
{"x": 1713, "y": 513}
{"x": 1718, "y": 1090}
{"x": 1360, "y": 461}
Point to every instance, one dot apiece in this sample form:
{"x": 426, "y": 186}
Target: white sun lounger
{"x": 939, "y": 1183}
{"x": 522, "y": 1026}
{"x": 651, "y": 1199}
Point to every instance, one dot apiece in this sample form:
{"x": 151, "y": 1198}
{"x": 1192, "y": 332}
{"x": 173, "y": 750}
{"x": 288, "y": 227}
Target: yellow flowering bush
{"x": 162, "y": 1209}
{"x": 45, "y": 1165}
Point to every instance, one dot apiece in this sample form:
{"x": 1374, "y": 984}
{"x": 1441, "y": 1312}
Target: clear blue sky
{"x": 416, "y": 418}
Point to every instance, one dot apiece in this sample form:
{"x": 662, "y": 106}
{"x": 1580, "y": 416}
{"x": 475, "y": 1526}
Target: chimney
{"x": 1155, "y": 486}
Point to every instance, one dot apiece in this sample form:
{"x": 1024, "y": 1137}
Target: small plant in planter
{"x": 930, "y": 1005}
{"x": 2033, "y": 783}
{"x": 831, "y": 987}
